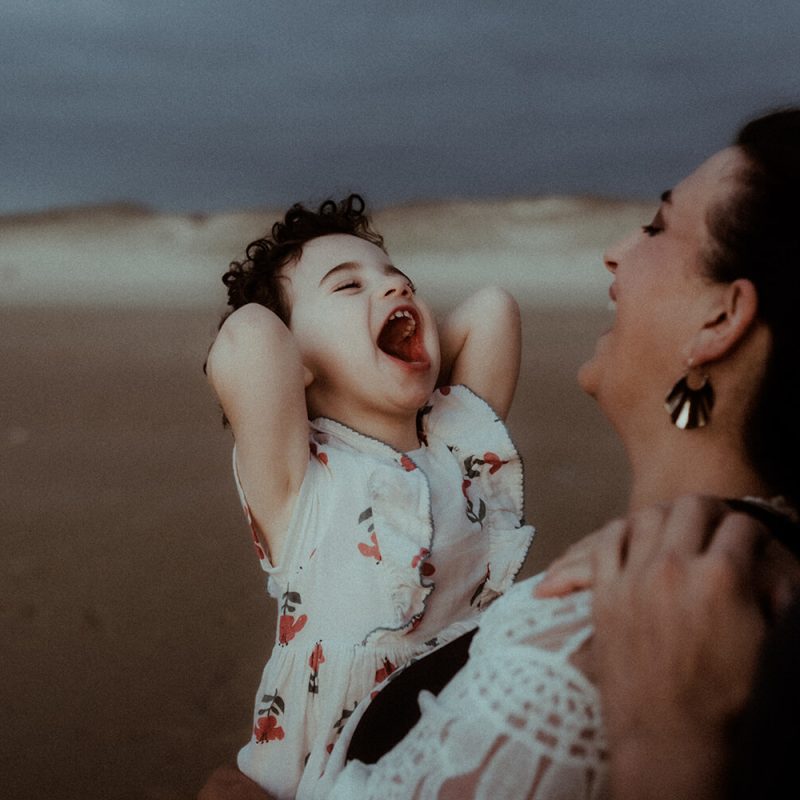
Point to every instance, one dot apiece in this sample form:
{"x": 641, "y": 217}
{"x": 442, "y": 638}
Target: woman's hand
{"x": 678, "y": 631}
{"x": 572, "y": 571}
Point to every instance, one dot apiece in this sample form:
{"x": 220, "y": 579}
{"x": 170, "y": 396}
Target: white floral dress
{"x": 388, "y": 556}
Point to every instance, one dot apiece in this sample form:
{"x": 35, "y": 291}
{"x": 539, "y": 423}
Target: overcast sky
{"x": 222, "y": 104}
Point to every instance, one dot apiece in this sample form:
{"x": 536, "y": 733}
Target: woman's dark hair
{"x": 257, "y": 278}
{"x": 756, "y": 235}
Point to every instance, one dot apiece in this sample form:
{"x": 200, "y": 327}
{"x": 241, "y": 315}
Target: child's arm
{"x": 480, "y": 342}
{"x": 256, "y": 370}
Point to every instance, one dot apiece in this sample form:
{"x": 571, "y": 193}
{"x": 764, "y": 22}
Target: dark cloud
{"x": 211, "y": 104}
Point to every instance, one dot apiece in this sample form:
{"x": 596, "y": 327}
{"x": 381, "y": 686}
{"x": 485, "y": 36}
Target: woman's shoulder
{"x": 558, "y": 625}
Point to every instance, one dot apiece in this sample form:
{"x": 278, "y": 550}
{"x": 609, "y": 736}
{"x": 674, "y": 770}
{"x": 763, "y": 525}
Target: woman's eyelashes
{"x": 655, "y": 227}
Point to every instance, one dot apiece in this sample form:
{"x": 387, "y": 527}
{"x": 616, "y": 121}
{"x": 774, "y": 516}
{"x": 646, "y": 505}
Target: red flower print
{"x": 415, "y": 623}
{"x": 320, "y": 455}
{"x": 494, "y": 460}
{"x": 465, "y": 484}
{"x": 267, "y": 729}
{"x": 424, "y": 553}
{"x": 317, "y": 657}
{"x": 254, "y": 532}
{"x": 427, "y": 569}
{"x": 385, "y": 671}
{"x": 373, "y": 551}
{"x": 408, "y": 464}
{"x": 288, "y": 627}
{"x": 476, "y": 594}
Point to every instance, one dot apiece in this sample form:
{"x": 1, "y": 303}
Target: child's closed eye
{"x": 348, "y": 284}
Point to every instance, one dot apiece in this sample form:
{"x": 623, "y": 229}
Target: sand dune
{"x": 119, "y": 256}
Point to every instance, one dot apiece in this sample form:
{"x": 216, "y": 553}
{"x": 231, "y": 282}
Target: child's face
{"x": 369, "y": 342}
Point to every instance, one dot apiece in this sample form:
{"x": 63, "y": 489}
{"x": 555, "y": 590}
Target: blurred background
{"x": 143, "y": 145}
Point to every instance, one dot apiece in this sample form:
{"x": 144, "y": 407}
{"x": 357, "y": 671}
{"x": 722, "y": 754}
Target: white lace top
{"x": 518, "y": 721}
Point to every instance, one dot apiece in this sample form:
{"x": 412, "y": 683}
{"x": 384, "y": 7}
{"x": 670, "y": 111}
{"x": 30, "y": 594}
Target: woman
{"x": 706, "y": 316}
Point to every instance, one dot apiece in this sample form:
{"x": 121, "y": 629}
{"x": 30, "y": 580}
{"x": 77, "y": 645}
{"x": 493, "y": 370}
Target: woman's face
{"x": 660, "y": 295}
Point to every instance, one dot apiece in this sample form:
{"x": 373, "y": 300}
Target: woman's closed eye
{"x": 651, "y": 230}
{"x": 656, "y": 226}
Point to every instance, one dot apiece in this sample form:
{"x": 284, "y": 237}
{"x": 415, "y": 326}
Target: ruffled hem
{"x": 305, "y": 697}
{"x": 493, "y": 480}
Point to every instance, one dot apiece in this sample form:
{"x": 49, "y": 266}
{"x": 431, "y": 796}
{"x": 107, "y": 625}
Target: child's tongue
{"x": 400, "y": 338}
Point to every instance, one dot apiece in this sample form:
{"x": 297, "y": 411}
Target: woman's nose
{"x": 612, "y": 255}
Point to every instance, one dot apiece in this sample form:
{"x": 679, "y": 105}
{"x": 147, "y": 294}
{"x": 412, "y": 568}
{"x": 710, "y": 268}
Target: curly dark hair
{"x": 257, "y": 278}
{"x": 756, "y": 235}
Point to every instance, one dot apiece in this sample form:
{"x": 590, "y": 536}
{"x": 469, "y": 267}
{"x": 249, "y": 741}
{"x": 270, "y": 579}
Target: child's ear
{"x": 729, "y": 320}
{"x": 308, "y": 376}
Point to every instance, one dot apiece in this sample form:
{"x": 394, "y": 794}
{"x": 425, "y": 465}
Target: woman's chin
{"x": 588, "y": 377}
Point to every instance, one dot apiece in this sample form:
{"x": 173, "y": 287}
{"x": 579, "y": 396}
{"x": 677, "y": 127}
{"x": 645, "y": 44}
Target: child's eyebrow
{"x": 388, "y": 269}
{"x": 339, "y": 268}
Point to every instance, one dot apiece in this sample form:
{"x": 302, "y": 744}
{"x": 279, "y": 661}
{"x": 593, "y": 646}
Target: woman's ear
{"x": 308, "y": 376}
{"x": 729, "y": 320}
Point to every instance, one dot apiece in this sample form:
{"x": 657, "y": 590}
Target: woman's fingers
{"x": 687, "y": 526}
{"x": 574, "y": 569}
{"x": 678, "y": 625}
{"x": 691, "y": 522}
{"x": 609, "y": 560}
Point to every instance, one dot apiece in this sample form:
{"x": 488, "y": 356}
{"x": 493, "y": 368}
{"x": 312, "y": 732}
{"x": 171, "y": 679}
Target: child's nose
{"x": 397, "y": 285}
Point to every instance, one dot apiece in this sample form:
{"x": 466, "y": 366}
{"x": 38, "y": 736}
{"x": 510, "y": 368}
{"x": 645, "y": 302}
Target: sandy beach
{"x": 133, "y": 614}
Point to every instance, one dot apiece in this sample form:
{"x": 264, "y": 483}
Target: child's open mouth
{"x": 401, "y": 337}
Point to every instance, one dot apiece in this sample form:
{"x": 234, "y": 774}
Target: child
{"x": 392, "y": 516}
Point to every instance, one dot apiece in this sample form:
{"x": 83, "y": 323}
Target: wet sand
{"x": 132, "y": 610}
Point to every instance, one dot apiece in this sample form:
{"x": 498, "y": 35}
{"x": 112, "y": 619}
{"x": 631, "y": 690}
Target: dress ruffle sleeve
{"x": 492, "y": 480}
